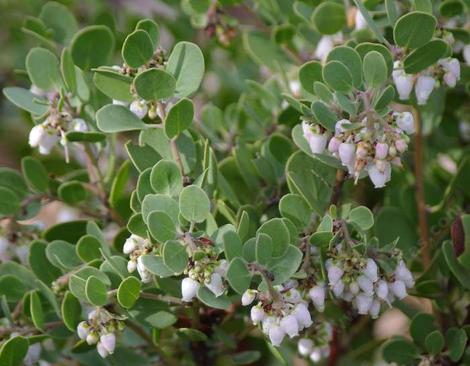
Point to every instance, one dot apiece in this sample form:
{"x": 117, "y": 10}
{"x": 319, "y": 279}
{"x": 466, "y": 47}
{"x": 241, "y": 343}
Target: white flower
{"x": 268, "y": 322}
{"x": 129, "y": 245}
{"x": 47, "y": 143}
{"x": 143, "y": 273}
{"x": 379, "y": 177}
{"x": 403, "y": 273}
{"x": 339, "y": 126}
{"x": 324, "y": 46}
{"x": 139, "y": 108}
{"x": 4, "y": 245}
{"x": 304, "y": 346}
{"x": 257, "y": 314}
{"x": 318, "y": 143}
{"x": 338, "y": 288}
{"x": 347, "y": 154}
{"x": 363, "y": 303}
{"x": 131, "y": 266}
{"x": 79, "y": 125}
{"x": 333, "y": 145}
{"x": 347, "y": 296}
{"x": 403, "y": 82}
{"x": 189, "y": 288}
{"x": 248, "y": 297}
{"x": 371, "y": 270}
{"x": 375, "y": 309}
{"x": 423, "y": 88}
{"x": 294, "y": 86}
{"x": 109, "y": 342}
{"x": 365, "y": 284}
{"x": 103, "y": 352}
{"x": 93, "y": 314}
{"x": 82, "y": 330}
{"x": 398, "y": 289}
{"x": 36, "y": 134}
{"x": 276, "y": 335}
{"x": 315, "y": 356}
{"x": 222, "y": 267}
{"x": 33, "y": 354}
{"x": 216, "y": 284}
{"x": 466, "y": 54}
{"x": 91, "y": 338}
{"x": 354, "y": 288}
{"x": 359, "y": 21}
{"x": 451, "y": 67}
{"x": 334, "y": 274}
{"x": 405, "y": 121}
{"x": 293, "y": 296}
{"x": 382, "y": 290}
{"x": 317, "y": 295}
{"x": 290, "y": 325}
{"x": 381, "y": 151}
{"x": 303, "y": 315}
{"x": 401, "y": 145}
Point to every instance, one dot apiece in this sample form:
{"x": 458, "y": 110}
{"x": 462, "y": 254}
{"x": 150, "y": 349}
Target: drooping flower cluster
{"x": 285, "y": 314}
{"x": 446, "y": 70}
{"x": 370, "y": 147}
{"x": 204, "y": 270}
{"x": 357, "y": 279}
{"x": 316, "y": 345}
{"x": 101, "y": 329}
{"x": 136, "y": 247}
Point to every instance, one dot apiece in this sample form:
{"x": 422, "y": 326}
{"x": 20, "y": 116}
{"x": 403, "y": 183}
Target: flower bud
{"x": 82, "y": 330}
{"x": 451, "y": 67}
{"x": 109, "y": 342}
{"x": 401, "y": 145}
{"x": 304, "y": 346}
{"x": 222, "y": 267}
{"x": 374, "y": 309}
{"x": 334, "y": 274}
{"x": 359, "y": 21}
{"x": 466, "y": 54}
{"x": 317, "y": 295}
{"x": 293, "y": 296}
{"x": 257, "y": 314}
{"x": 131, "y": 266}
{"x": 189, "y": 288}
{"x": 347, "y": 153}
{"x": 290, "y": 325}
{"x": 303, "y": 316}
{"x": 47, "y": 142}
{"x": 338, "y": 288}
{"x": 403, "y": 83}
{"x": 379, "y": 177}
{"x": 248, "y": 297}
{"x": 403, "y": 273}
{"x": 315, "y": 356}
{"x": 216, "y": 285}
{"x": 129, "y": 246}
{"x": 398, "y": 289}
{"x": 333, "y": 145}
{"x": 340, "y": 125}
{"x": 424, "y": 87}
{"x": 363, "y": 303}
{"x": 354, "y": 288}
{"x": 318, "y": 143}
{"x": 324, "y": 46}
{"x": 365, "y": 284}
{"x": 92, "y": 315}
{"x": 371, "y": 270}
{"x": 139, "y": 108}
{"x": 103, "y": 352}
{"x": 381, "y": 151}
{"x": 276, "y": 335}
{"x": 35, "y": 135}
{"x": 92, "y": 338}
{"x": 405, "y": 121}
{"x": 79, "y": 125}
{"x": 382, "y": 290}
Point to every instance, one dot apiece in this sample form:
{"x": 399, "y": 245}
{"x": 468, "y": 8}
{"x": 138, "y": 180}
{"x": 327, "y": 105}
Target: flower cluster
{"x": 280, "y": 312}
{"x": 204, "y": 271}
{"x": 136, "y": 247}
{"x": 357, "y": 279}
{"x": 316, "y": 345}
{"x": 367, "y": 146}
{"x": 446, "y": 70}
{"x": 100, "y": 329}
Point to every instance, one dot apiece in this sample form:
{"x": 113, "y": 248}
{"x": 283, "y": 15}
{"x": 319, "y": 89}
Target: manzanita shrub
{"x": 252, "y": 182}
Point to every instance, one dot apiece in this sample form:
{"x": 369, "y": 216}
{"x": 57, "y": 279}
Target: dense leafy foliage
{"x": 238, "y": 182}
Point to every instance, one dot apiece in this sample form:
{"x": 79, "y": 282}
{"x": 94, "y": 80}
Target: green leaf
{"x": 161, "y": 226}
{"x": 72, "y": 192}
{"x": 194, "y": 204}
{"x": 370, "y": 22}
{"x": 263, "y": 248}
{"x": 92, "y": 46}
{"x": 400, "y": 351}
{"x": 160, "y": 202}
{"x": 154, "y": 84}
{"x": 24, "y": 99}
{"x": 152, "y": 30}
{"x": 458, "y": 270}
{"x": 414, "y": 29}
{"x": 12, "y": 288}
{"x": 285, "y": 266}
{"x": 175, "y": 256}
{"x": 362, "y": 217}
{"x": 85, "y": 136}
{"x": 456, "y": 343}
{"x": 263, "y": 50}
{"x": 119, "y": 184}
{"x": 434, "y": 342}
{"x": 117, "y": 118}
{"x": 70, "y": 231}
{"x": 179, "y": 118}
{"x": 451, "y": 8}
{"x": 96, "y": 291}
{"x": 207, "y": 297}
{"x": 88, "y": 248}
{"x": 78, "y": 281}
{"x": 294, "y": 208}
{"x": 246, "y": 357}
{"x": 375, "y": 69}
{"x": 337, "y": 76}
{"x": 238, "y": 275}
{"x": 329, "y": 17}
{"x": 424, "y": 56}
{"x": 324, "y": 115}
{"x": 155, "y": 265}
{"x": 13, "y": 351}
{"x": 143, "y": 157}
{"x": 9, "y": 202}
{"x": 128, "y": 292}
{"x": 71, "y": 311}
{"x": 62, "y": 22}
{"x": 67, "y": 68}
{"x": 166, "y": 178}
{"x": 62, "y": 254}
{"x": 385, "y": 98}
{"x": 309, "y": 73}
{"x": 392, "y": 12}
{"x": 421, "y": 325}
{"x": 349, "y": 58}
{"x": 35, "y": 308}
{"x": 232, "y": 245}
{"x": 364, "y": 48}
{"x": 277, "y": 230}
{"x": 186, "y": 64}
{"x": 114, "y": 85}
{"x": 39, "y": 263}
{"x": 193, "y": 335}
{"x": 161, "y": 319}
{"x": 137, "y": 48}
{"x": 43, "y": 68}
{"x": 423, "y": 5}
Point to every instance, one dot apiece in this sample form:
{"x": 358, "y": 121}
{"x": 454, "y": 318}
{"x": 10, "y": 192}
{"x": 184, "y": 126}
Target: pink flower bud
{"x": 102, "y": 351}
{"x": 347, "y": 154}
{"x": 333, "y": 145}
{"x": 401, "y": 145}
{"x": 381, "y": 151}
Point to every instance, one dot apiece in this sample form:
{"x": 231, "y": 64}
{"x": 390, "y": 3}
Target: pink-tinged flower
{"x": 304, "y": 346}
{"x": 303, "y": 315}
{"x": 374, "y": 310}
{"x": 102, "y": 351}
{"x": 401, "y": 145}
{"x": 347, "y": 154}
{"x": 333, "y": 145}
{"x": 83, "y": 330}
{"x": 451, "y": 68}
{"x": 405, "y": 122}
{"x": 109, "y": 342}
{"x": 334, "y": 274}
{"x": 423, "y": 88}
{"x": 382, "y": 290}
{"x": 340, "y": 126}
{"x": 365, "y": 284}
{"x": 379, "y": 173}
{"x": 381, "y": 151}
{"x": 371, "y": 270}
